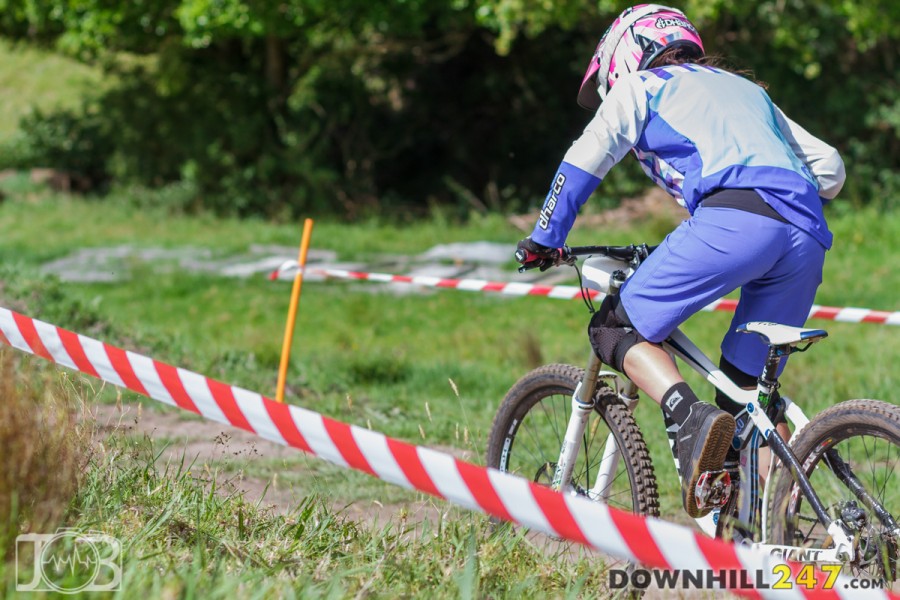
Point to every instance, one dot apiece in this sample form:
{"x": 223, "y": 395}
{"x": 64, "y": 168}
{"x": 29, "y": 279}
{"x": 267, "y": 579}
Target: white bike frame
{"x": 680, "y": 346}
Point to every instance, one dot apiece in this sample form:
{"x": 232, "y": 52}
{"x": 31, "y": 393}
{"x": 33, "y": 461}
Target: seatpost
{"x": 768, "y": 381}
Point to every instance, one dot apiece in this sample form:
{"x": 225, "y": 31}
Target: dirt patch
{"x": 205, "y": 443}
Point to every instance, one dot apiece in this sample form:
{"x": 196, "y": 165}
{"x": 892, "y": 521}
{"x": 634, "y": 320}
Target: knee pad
{"x": 612, "y": 334}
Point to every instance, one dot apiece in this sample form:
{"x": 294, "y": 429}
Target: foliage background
{"x": 280, "y": 108}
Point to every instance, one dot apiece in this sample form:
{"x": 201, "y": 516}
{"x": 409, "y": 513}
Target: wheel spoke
{"x": 533, "y": 432}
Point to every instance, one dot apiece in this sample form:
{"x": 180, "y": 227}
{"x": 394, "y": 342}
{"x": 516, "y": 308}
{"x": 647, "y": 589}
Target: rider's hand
{"x": 530, "y": 254}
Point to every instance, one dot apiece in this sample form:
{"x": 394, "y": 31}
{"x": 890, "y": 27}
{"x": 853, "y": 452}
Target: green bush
{"x": 78, "y": 143}
{"x": 356, "y": 108}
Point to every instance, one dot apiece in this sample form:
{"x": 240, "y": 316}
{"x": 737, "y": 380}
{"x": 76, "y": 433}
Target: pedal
{"x": 713, "y": 489}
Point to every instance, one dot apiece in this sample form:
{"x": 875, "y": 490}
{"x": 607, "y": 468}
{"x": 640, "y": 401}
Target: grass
{"x": 390, "y": 353}
{"x": 107, "y": 224}
{"x": 45, "y": 448}
{"x": 185, "y": 534}
{"x": 372, "y": 358}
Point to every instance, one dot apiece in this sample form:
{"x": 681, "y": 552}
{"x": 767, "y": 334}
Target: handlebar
{"x": 632, "y": 254}
{"x": 625, "y": 253}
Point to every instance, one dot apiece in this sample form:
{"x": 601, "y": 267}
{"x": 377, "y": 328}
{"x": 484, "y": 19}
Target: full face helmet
{"x": 635, "y": 38}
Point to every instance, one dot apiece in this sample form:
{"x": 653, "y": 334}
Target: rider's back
{"x": 697, "y": 129}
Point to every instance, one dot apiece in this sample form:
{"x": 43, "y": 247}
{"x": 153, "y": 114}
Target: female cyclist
{"x": 754, "y": 183}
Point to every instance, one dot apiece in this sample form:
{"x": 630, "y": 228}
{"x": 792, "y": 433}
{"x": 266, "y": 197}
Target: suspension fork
{"x": 609, "y": 463}
{"x": 582, "y": 407}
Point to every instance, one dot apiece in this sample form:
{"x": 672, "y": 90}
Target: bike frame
{"x": 758, "y": 425}
{"x": 606, "y": 269}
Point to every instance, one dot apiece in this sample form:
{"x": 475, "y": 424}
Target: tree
{"x": 267, "y": 107}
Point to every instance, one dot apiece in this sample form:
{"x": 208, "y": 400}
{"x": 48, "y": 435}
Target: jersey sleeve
{"x": 612, "y": 133}
{"x": 822, "y": 160}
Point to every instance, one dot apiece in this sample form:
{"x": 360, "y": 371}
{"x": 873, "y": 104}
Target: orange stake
{"x": 292, "y": 311}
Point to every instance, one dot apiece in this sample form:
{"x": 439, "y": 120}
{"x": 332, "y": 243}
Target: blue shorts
{"x": 777, "y": 266}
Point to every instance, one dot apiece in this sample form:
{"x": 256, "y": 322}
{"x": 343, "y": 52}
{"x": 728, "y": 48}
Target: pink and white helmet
{"x": 634, "y": 39}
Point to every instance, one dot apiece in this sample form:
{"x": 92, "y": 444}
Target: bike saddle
{"x": 775, "y": 334}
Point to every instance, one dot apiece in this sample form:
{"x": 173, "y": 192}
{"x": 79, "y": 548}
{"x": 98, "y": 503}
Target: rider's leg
{"x": 706, "y": 257}
{"x": 785, "y": 295}
{"x": 782, "y": 294}
{"x": 651, "y": 369}
{"x": 621, "y": 346}
{"x": 703, "y": 431}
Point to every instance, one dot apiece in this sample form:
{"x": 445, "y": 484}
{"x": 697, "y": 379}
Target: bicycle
{"x": 817, "y": 509}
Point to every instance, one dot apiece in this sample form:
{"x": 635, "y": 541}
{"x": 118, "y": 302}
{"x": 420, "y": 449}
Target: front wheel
{"x": 854, "y": 444}
{"x": 528, "y": 431}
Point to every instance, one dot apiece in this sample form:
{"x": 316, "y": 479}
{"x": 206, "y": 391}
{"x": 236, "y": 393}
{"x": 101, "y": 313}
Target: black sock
{"x": 677, "y": 401}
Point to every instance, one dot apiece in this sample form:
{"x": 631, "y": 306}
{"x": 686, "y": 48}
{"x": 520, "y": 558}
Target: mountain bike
{"x": 830, "y": 494}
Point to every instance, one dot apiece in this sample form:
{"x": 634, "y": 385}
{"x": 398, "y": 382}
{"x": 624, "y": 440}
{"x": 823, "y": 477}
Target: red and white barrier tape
{"x": 649, "y": 541}
{"x": 847, "y": 314}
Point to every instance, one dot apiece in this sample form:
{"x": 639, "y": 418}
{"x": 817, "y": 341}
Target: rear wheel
{"x": 528, "y": 431}
{"x": 858, "y": 437}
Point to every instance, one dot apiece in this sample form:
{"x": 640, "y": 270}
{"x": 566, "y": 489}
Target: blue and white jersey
{"x": 697, "y": 129}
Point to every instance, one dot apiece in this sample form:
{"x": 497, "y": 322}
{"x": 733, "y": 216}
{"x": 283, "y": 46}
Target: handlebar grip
{"x": 521, "y": 255}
